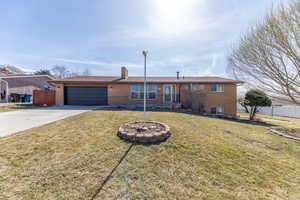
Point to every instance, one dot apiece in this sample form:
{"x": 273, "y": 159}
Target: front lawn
{"x": 4, "y": 107}
{"x": 275, "y": 120}
{"x": 205, "y": 158}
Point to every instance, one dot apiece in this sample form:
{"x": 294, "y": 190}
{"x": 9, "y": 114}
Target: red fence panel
{"x": 43, "y": 97}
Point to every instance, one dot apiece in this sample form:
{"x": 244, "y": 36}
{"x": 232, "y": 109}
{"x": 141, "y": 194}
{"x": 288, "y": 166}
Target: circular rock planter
{"x": 144, "y": 132}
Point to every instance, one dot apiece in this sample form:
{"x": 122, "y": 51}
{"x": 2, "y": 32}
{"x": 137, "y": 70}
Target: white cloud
{"x": 174, "y": 17}
{"x": 167, "y": 20}
{"x": 214, "y": 61}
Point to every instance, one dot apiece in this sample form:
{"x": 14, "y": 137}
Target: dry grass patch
{"x": 276, "y": 120}
{"x": 205, "y": 158}
{"x": 5, "y": 107}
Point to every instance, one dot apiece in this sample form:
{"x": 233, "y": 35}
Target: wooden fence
{"x": 43, "y": 97}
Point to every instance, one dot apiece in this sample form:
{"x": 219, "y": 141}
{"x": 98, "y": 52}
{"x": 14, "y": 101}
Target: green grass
{"x": 5, "y": 107}
{"x": 205, "y": 158}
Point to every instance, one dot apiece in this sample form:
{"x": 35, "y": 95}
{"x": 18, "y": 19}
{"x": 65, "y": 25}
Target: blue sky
{"x": 190, "y": 36}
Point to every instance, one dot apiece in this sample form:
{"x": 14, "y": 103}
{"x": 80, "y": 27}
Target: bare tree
{"x": 269, "y": 55}
{"x": 72, "y": 74}
{"x": 60, "y": 71}
{"x": 241, "y": 101}
{"x": 86, "y": 72}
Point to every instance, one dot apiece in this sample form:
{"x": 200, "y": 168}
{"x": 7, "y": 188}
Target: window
{"x": 137, "y": 91}
{"x": 217, "y": 88}
{"x": 217, "y": 110}
{"x": 151, "y": 91}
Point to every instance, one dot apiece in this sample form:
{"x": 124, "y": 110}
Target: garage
{"x": 87, "y": 96}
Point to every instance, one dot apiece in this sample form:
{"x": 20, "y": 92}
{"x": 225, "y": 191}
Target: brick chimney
{"x": 124, "y": 73}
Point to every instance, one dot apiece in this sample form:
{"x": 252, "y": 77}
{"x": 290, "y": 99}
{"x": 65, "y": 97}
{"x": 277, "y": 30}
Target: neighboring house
{"x": 205, "y": 94}
{"x": 16, "y": 86}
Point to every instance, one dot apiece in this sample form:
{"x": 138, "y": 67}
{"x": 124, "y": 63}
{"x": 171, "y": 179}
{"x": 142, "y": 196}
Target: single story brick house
{"x": 212, "y": 95}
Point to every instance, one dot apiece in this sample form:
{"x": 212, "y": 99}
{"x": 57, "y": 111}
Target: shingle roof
{"x": 26, "y": 84}
{"x": 132, "y": 79}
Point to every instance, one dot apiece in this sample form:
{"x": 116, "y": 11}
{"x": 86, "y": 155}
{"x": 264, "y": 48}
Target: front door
{"x": 169, "y": 93}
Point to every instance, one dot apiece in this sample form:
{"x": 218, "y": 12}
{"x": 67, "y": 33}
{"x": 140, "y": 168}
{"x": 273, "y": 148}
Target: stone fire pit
{"x": 144, "y": 132}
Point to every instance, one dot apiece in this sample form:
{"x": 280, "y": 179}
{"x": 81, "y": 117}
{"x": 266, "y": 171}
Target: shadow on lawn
{"x": 99, "y": 189}
{"x": 108, "y": 177}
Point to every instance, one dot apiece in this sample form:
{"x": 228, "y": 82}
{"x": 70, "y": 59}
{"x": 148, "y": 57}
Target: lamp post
{"x": 145, "y": 53}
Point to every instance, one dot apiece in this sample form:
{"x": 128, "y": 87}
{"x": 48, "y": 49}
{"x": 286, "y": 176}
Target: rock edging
{"x": 133, "y": 135}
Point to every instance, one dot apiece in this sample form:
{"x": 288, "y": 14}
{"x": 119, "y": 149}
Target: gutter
{"x": 140, "y": 82}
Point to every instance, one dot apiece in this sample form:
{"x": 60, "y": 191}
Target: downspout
{"x": 179, "y": 87}
{"x": 179, "y": 90}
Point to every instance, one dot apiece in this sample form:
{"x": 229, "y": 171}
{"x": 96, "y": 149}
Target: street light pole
{"x": 145, "y": 53}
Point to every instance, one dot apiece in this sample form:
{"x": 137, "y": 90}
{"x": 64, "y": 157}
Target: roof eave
{"x": 163, "y": 82}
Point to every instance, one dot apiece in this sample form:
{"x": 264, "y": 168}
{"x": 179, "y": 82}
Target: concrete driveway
{"x": 15, "y": 121}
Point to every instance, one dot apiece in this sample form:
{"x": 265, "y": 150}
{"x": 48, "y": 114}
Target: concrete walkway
{"x": 15, "y": 121}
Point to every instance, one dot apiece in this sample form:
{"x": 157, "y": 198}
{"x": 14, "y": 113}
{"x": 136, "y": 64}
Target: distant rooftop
{"x": 26, "y": 84}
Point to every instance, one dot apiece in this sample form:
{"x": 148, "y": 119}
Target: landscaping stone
{"x": 144, "y": 132}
